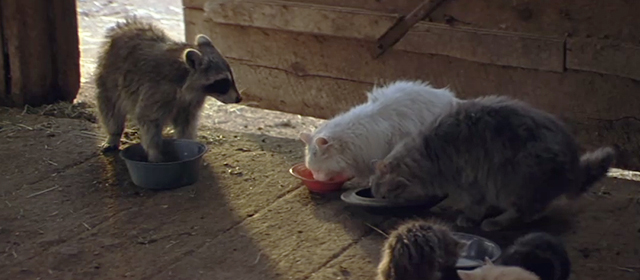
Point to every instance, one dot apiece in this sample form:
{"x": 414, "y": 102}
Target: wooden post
{"x": 3, "y": 74}
{"x": 42, "y": 61}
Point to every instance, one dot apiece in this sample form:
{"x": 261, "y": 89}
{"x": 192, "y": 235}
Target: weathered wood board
{"x": 29, "y": 52}
{"x": 303, "y": 62}
{"x": 604, "y": 56}
{"x": 304, "y": 56}
{"x": 41, "y": 41}
{"x": 486, "y": 46}
{"x": 66, "y": 52}
{"x": 615, "y": 19}
{"x": 3, "y": 83}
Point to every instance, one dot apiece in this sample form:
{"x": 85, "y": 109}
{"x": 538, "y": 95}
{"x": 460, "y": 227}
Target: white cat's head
{"x": 489, "y": 271}
{"x": 323, "y": 158}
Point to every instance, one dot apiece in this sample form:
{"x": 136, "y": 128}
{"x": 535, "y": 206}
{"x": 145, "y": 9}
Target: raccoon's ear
{"x": 203, "y": 40}
{"x": 192, "y": 58}
{"x": 322, "y": 142}
{"x": 487, "y": 261}
{"x": 305, "y": 137}
{"x": 374, "y": 163}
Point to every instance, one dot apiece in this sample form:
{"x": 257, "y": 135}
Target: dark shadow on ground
{"x": 98, "y": 225}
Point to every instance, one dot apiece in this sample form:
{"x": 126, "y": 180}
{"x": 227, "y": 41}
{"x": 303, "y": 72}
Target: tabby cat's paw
{"x": 491, "y": 225}
{"x": 465, "y": 221}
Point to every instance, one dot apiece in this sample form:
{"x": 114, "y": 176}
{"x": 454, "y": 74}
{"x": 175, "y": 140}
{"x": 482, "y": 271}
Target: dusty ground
{"x": 67, "y": 212}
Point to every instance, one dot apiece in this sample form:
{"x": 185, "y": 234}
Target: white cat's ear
{"x": 466, "y": 275}
{"x": 322, "y": 142}
{"x": 305, "y": 137}
{"x": 487, "y": 261}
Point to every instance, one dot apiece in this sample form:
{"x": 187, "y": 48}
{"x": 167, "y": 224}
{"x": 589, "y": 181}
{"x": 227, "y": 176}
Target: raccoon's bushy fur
{"x": 419, "y": 250}
{"x": 145, "y": 74}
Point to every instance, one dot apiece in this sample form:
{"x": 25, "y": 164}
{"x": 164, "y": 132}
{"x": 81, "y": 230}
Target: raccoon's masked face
{"x": 210, "y": 73}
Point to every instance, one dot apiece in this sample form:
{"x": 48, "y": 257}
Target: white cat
{"x": 346, "y": 145}
{"x": 489, "y": 271}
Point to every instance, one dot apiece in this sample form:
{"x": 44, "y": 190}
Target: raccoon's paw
{"x": 106, "y": 148}
{"x": 465, "y": 221}
{"x": 492, "y": 225}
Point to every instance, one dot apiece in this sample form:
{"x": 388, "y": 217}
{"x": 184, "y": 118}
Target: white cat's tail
{"x": 593, "y": 167}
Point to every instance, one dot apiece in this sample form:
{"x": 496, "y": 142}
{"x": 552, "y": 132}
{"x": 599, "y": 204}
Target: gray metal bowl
{"x": 363, "y": 197}
{"x": 476, "y": 250}
{"x": 182, "y": 171}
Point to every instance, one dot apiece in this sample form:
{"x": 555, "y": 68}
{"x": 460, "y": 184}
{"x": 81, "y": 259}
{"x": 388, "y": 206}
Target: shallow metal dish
{"x": 476, "y": 250}
{"x": 183, "y": 171}
{"x": 363, "y": 197}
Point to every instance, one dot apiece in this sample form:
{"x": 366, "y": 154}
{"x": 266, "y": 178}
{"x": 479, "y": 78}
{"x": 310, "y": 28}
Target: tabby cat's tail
{"x": 593, "y": 167}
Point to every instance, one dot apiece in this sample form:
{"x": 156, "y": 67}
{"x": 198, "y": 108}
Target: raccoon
{"x": 419, "y": 250}
{"x": 144, "y": 74}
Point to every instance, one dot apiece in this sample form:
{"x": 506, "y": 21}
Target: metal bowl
{"x": 182, "y": 171}
{"x": 477, "y": 249}
{"x": 363, "y": 197}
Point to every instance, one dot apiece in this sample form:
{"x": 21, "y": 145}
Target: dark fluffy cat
{"x": 491, "y": 151}
{"x": 419, "y": 250}
{"x": 540, "y": 253}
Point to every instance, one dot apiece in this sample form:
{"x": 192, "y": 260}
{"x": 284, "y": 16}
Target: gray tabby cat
{"x": 491, "y": 151}
{"x": 419, "y": 250}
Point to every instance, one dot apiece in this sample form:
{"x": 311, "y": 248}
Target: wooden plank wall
{"x": 3, "y": 82}
{"x": 316, "y": 60}
{"x": 41, "y": 46}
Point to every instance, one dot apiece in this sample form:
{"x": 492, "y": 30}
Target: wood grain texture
{"x": 486, "y": 46}
{"x": 319, "y": 75}
{"x": 4, "y": 91}
{"x": 604, "y": 56}
{"x": 28, "y": 49}
{"x": 315, "y": 19}
{"x": 403, "y": 24}
{"x": 66, "y": 52}
{"x": 614, "y": 19}
{"x": 42, "y": 47}
{"x": 573, "y": 94}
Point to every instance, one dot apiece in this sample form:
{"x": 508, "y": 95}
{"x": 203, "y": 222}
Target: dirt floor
{"x": 67, "y": 212}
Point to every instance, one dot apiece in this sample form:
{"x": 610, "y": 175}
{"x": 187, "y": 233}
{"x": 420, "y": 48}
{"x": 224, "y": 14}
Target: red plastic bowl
{"x": 301, "y": 172}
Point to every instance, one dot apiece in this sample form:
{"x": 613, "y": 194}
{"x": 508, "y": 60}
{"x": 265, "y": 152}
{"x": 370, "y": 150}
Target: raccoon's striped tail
{"x": 593, "y": 167}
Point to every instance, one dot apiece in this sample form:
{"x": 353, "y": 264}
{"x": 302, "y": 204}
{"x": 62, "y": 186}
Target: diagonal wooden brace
{"x": 403, "y": 24}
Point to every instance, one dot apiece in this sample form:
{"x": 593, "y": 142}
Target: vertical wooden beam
{"x": 66, "y": 51}
{"x": 41, "y": 40}
{"x": 4, "y": 91}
